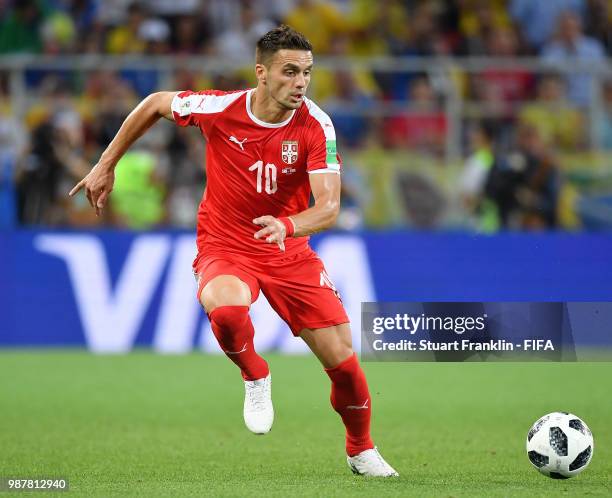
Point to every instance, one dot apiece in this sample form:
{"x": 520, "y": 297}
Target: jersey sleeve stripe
{"x": 330, "y": 135}
{"x": 324, "y": 170}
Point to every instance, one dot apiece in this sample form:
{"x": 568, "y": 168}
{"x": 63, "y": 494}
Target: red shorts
{"x": 298, "y": 288}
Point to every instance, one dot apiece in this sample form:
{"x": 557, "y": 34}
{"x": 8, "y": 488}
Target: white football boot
{"x": 258, "y": 411}
{"x": 370, "y": 463}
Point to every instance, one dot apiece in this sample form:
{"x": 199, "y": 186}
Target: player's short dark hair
{"x": 283, "y": 37}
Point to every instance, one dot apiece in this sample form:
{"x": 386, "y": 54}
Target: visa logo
{"x": 154, "y": 284}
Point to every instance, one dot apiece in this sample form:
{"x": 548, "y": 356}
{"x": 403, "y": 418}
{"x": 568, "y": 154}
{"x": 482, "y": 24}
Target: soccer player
{"x": 268, "y": 149}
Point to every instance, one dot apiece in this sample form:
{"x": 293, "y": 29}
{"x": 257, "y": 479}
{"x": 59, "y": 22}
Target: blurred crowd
{"x": 229, "y": 27}
{"x": 522, "y": 133}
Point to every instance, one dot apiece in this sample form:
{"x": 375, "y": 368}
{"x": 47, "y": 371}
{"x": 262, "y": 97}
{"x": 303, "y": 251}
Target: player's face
{"x": 288, "y": 77}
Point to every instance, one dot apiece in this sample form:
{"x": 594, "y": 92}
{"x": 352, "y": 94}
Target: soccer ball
{"x": 560, "y": 445}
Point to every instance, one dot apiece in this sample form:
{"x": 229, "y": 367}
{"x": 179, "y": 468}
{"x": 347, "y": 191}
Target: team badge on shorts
{"x": 289, "y": 151}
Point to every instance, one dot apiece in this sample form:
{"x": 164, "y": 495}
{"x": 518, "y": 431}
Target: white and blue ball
{"x": 560, "y": 445}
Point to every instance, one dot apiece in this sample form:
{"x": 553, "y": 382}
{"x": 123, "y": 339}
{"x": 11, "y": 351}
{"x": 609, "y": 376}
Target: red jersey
{"x": 254, "y": 168}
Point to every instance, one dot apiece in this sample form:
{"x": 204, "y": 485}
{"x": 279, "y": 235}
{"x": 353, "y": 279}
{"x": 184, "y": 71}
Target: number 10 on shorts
{"x": 270, "y": 174}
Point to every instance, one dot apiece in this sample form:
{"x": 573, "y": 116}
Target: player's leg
{"x": 302, "y": 293}
{"x": 349, "y": 389}
{"x": 350, "y": 396}
{"x": 331, "y": 345}
{"x": 226, "y": 298}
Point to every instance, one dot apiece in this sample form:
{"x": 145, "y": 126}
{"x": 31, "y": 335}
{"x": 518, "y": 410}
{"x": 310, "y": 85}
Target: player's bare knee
{"x": 225, "y": 290}
{"x": 335, "y": 351}
{"x": 344, "y": 334}
{"x": 339, "y": 355}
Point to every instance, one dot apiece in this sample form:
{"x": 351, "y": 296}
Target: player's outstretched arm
{"x": 326, "y": 192}
{"x": 98, "y": 183}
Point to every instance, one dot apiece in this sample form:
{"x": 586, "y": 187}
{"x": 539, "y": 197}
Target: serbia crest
{"x": 289, "y": 151}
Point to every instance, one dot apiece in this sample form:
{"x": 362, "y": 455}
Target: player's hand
{"x": 98, "y": 185}
{"x": 274, "y": 230}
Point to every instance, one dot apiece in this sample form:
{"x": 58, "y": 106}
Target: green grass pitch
{"x": 150, "y": 425}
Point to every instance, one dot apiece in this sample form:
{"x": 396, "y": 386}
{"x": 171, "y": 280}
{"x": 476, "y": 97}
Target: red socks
{"x": 351, "y": 399}
{"x": 234, "y": 331}
{"x": 349, "y": 393}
